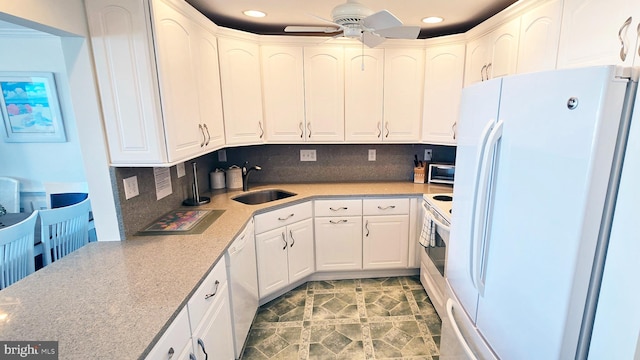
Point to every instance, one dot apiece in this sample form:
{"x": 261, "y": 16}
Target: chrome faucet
{"x": 245, "y": 175}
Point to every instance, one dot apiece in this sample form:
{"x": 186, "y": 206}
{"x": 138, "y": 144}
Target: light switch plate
{"x": 372, "y": 154}
{"x": 308, "y": 155}
{"x": 222, "y": 155}
{"x": 180, "y": 170}
{"x": 131, "y": 187}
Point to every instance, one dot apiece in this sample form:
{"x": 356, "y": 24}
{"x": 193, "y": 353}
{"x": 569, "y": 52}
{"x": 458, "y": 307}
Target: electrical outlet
{"x": 131, "y": 187}
{"x": 222, "y": 155}
{"x": 372, "y": 154}
{"x": 427, "y": 154}
{"x": 180, "y": 170}
{"x": 307, "y": 155}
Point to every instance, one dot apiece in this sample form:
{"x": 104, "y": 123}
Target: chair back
{"x": 16, "y": 251}
{"x": 59, "y": 194}
{"x": 64, "y": 230}
{"x": 10, "y": 194}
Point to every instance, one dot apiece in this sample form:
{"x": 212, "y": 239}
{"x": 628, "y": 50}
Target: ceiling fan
{"x": 354, "y": 20}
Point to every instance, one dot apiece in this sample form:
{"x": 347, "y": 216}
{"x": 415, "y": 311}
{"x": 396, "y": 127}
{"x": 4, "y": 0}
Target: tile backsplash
{"x": 280, "y": 164}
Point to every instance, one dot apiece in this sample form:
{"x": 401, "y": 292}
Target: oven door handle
{"x": 433, "y": 218}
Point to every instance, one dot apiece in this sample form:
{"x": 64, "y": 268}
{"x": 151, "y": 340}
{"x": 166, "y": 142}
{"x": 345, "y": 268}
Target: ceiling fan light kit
{"x": 354, "y": 20}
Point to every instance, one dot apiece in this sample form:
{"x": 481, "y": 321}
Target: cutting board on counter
{"x": 182, "y": 221}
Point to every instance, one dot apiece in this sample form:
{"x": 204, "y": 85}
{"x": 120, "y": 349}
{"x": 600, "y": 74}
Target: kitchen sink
{"x": 263, "y": 196}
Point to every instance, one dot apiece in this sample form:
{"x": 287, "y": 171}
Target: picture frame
{"x": 30, "y": 107}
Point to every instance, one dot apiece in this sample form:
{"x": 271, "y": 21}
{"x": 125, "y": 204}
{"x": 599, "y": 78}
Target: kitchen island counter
{"x": 114, "y": 299}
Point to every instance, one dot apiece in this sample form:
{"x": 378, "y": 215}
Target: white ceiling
{"x": 459, "y": 15}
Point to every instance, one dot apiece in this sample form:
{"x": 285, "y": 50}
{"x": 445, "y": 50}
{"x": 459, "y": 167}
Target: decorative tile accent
{"x": 379, "y": 318}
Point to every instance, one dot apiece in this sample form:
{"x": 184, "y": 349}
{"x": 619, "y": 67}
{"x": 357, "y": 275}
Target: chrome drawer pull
{"x": 215, "y": 290}
{"x": 338, "y": 209}
{"x": 386, "y": 207}
{"x": 338, "y": 222}
{"x": 287, "y": 218}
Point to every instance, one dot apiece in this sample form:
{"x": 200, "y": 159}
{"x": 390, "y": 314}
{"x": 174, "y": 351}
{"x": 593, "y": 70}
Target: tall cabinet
{"x": 151, "y": 58}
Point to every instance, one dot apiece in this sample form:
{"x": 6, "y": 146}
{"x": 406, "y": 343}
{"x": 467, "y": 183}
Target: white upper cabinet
{"x": 324, "y": 93}
{"x": 539, "y": 37}
{"x": 143, "y": 97}
{"x": 364, "y": 74}
{"x": 283, "y": 93}
{"x": 241, "y": 91}
{"x": 403, "y": 94}
{"x": 494, "y": 54}
{"x": 442, "y": 92}
{"x": 599, "y": 32}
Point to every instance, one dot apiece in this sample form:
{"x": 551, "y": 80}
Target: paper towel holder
{"x": 196, "y": 200}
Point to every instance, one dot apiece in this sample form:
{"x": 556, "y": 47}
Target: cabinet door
{"x": 363, "y": 86}
{"x": 125, "y": 68}
{"x": 300, "y": 253}
{"x": 477, "y": 58}
{"x": 385, "y": 242}
{"x": 209, "y": 93}
{"x": 178, "y": 85}
{"x": 442, "y": 92}
{"x": 175, "y": 340}
{"x": 214, "y": 336}
{"x": 241, "y": 91}
{"x": 403, "y": 94}
{"x": 271, "y": 250}
{"x": 589, "y": 33}
{"x": 324, "y": 93}
{"x": 283, "y": 93}
{"x": 539, "y": 38}
{"x": 338, "y": 243}
{"x": 504, "y": 44}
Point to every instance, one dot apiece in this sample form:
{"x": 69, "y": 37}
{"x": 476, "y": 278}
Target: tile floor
{"x": 382, "y": 318}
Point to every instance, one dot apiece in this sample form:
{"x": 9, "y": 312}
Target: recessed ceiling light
{"x": 254, "y": 13}
{"x": 432, "y": 20}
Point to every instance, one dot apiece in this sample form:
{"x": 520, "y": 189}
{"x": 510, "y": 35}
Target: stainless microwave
{"x": 441, "y": 173}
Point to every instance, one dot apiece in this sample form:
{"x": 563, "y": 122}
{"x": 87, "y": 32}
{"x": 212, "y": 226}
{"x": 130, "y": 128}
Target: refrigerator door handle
{"x": 479, "y": 243}
{"x": 456, "y": 330}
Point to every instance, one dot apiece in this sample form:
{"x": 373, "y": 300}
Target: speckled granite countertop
{"x": 112, "y": 300}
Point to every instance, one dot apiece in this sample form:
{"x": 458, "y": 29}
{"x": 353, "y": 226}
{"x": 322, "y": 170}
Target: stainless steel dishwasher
{"x": 243, "y": 278}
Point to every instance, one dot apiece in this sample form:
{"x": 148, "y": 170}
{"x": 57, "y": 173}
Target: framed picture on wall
{"x": 30, "y": 107}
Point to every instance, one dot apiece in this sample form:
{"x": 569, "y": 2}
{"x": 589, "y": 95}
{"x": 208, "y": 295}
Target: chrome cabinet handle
{"x": 338, "y": 209}
{"x": 309, "y": 128}
{"x": 338, "y": 222}
{"x": 386, "y": 207}
{"x": 192, "y": 357}
{"x": 288, "y": 217}
{"x": 489, "y": 65}
{"x": 623, "y": 47}
{"x": 293, "y": 241}
{"x": 482, "y": 72}
{"x": 208, "y": 135}
{"x": 261, "y": 129}
{"x": 454, "y": 127}
{"x": 386, "y": 126}
{"x": 301, "y": 130}
{"x": 379, "y": 130}
{"x": 366, "y": 227}
{"x": 170, "y": 353}
{"x": 201, "y": 343}
{"x": 285, "y": 242}
{"x": 203, "y": 136}
{"x": 215, "y": 290}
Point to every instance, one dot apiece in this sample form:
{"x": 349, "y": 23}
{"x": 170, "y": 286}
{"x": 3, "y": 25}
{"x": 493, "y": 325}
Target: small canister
{"x": 217, "y": 179}
{"x": 234, "y": 177}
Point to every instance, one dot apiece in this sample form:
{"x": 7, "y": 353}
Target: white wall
{"x": 35, "y": 163}
{"x": 66, "y": 19}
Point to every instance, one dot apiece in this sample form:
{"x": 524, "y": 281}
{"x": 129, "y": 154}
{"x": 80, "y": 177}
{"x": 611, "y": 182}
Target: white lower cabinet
{"x": 175, "y": 343}
{"x": 285, "y": 253}
{"x": 338, "y": 243}
{"x": 385, "y": 238}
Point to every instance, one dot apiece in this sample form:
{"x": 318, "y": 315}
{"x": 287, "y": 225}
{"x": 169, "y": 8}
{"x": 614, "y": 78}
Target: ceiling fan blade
{"x": 381, "y": 20}
{"x": 371, "y": 40}
{"x": 323, "y": 19}
{"x": 400, "y": 32}
{"x": 322, "y": 29}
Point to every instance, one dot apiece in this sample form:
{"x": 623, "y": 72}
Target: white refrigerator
{"x": 538, "y": 165}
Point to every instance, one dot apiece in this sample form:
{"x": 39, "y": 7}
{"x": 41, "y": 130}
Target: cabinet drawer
{"x": 176, "y": 337}
{"x": 209, "y": 291}
{"x": 338, "y": 207}
{"x": 383, "y": 206}
{"x": 281, "y": 217}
